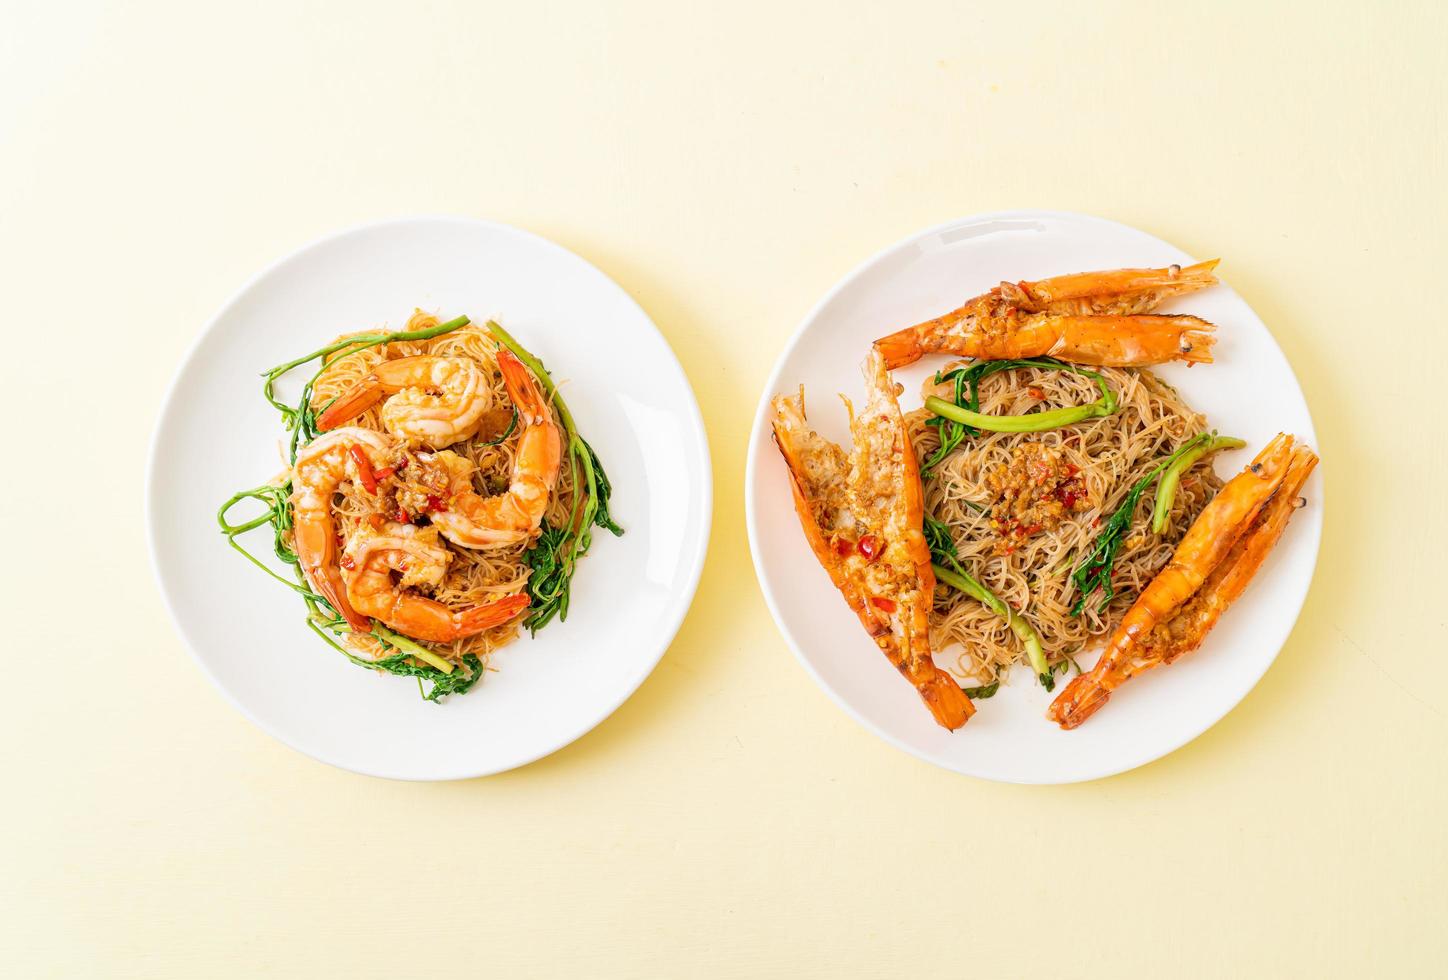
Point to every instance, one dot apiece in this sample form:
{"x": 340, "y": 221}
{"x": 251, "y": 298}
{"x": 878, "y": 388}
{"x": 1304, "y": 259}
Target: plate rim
{"x": 684, "y": 597}
{"x": 756, "y": 436}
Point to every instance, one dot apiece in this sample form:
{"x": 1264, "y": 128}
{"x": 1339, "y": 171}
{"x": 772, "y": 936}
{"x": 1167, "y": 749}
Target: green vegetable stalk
{"x": 1055, "y": 418}
{"x": 1171, "y": 476}
{"x": 949, "y": 570}
{"x": 961, "y": 417}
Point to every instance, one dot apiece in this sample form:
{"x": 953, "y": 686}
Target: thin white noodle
{"x": 1112, "y": 453}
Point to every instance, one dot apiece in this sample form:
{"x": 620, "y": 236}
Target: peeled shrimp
{"x": 862, "y": 517}
{"x": 436, "y": 401}
{"x": 473, "y": 521}
{"x": 1211, "y": 567}
{"x": 1098, "y": 318}
{"x": 416, "y": 556}
{"x": 321, "y": 467}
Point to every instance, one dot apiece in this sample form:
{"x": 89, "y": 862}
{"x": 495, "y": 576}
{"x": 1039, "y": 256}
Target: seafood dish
{"x": 436, "y": 498}
{"x": 1052, "y": 500}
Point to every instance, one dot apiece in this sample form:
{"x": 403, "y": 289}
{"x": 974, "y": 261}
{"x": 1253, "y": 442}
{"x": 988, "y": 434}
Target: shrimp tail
{"x": 1078, "y": 701}
{"x": 522, "y": 388}
{"x": 479, "y": 618}
{"x": 945, "y": 699}
{"x": 351, "y": 403}
{"x": 900, "y": 348}
{"x": 319, "y": 554}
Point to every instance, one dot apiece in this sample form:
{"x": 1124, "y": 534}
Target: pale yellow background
{"x": 726, "y": 165}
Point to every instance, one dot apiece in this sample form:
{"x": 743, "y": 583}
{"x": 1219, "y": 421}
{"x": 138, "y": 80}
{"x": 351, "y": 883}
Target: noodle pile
{"x": 473, "y": 576}
{"x": 1112, "y": 454}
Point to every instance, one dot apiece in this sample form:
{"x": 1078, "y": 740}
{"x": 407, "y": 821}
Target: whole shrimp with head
{"x": 1099, "y": 318}
{"x": 415, "y": 556}
{"x": 1210, "y": 569}
{"x": 862, "y": 515}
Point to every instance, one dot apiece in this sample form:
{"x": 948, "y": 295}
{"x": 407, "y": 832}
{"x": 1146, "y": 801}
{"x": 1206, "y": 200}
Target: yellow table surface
{"x": 726, "y": 165}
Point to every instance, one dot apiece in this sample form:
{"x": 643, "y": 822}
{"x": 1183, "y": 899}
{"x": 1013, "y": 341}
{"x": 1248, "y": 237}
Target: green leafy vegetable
{"x": 982, "y": 692}
{"x": 443, "y": 684}
{"x": 949, "y": 570}
{"x": 554, "y": 558}
{"x": 952, "y": 434}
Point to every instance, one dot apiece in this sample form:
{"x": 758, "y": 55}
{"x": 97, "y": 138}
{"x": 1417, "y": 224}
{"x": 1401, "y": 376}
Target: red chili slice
{"x": 385, "y": 472}
{"x": 1036, "y": 393}
{"x": 871, "y": 547}
{"x": 435, "y": 504}
{"x": 347, "y": 562}
{"x": 882, "y": 604}
{"x": 364, "y": 468}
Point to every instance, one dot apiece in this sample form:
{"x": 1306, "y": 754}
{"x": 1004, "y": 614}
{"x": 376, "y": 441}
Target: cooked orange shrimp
{"x": 1096, "y": 318}
{"x": 321, "y": 466}
{"x": 1211, "y": 567}
{"x": 414, "y": 413}
{"x": 514, "y": 515}
{"x": 417, "y": 556}
{"x": 862, "y": 517}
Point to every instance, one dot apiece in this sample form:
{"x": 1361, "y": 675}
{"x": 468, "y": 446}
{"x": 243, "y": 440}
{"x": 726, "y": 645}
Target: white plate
{"x": 1249, "y": 392}
{"x": 216, "y": 434}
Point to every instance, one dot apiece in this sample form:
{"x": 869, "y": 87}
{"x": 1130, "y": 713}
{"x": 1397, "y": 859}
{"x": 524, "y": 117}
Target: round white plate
{"x": 1249, "y": 392}
{"x": 216, "y": 434}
